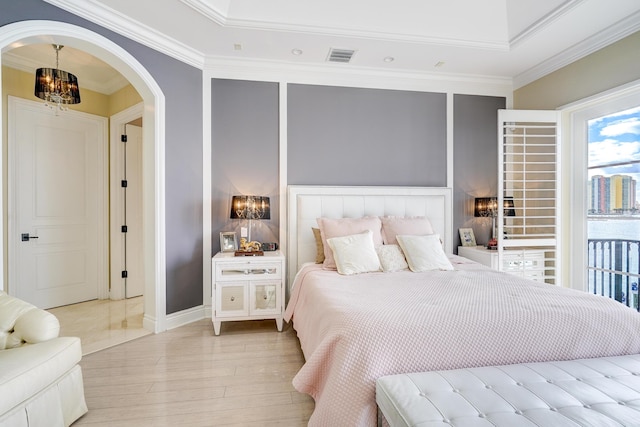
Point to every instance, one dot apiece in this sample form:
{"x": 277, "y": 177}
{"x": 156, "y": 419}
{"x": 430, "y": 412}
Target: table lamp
{"x": 250, "y": 208}
{"x": 488, "y": 207}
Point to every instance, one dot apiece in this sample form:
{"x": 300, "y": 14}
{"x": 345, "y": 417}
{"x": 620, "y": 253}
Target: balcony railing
{"x": 614, "y": 269}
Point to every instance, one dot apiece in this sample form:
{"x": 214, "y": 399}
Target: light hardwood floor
{"x": 189, "y": 377}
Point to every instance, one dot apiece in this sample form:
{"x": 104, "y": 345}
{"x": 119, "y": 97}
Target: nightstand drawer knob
{"x": 233, "y": 298}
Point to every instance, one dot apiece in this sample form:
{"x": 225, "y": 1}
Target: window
{"x": 599, "y": 163}
{"x": 613, "y": 226}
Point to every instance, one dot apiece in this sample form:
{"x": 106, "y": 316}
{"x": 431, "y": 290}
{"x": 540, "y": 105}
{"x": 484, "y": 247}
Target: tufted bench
{"x": 587, "y": 392}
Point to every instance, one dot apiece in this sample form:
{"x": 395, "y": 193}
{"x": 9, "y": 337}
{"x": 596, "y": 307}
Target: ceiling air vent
{"x": 340, "y": 55}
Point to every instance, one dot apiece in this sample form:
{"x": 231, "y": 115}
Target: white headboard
{"x": 306, "y": 203}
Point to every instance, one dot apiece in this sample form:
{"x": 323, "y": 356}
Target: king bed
{"x": 355, "y": 328}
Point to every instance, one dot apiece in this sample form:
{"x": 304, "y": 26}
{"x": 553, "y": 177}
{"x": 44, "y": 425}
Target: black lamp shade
{"x": 488, "y": 206}
{"x": 250, "y": 207}
{"x": 57, "y": 86}
{"x": 509, "y": 206}
{"x": 485, "y": 206}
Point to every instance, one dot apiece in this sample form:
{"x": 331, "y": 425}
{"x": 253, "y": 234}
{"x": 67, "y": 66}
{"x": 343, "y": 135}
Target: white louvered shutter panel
{"x": 528, "y": 233}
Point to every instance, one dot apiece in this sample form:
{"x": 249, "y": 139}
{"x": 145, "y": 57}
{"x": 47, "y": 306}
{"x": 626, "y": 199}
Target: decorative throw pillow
{"x": 391, "y": 258}
{"x": 338, "y": 227}
{"x": 319, "y": 245}
{"x": 405, "y": 226}
{"x": 424, "y": 253}
{"x": 355, "y": 253}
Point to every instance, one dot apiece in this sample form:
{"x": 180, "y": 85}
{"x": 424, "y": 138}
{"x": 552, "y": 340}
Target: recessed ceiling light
{"x": 439, "y": 64}
{"x": 296, "y": 52}
{"x": 237, "y": 46}
{"x": 389, "y": 59}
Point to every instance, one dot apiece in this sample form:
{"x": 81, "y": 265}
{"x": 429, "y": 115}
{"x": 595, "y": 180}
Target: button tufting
{"x": 578, "y": 379}
{"x": 518, "y": 412}
{"x": 587, "y": 407}
{"x": 550, "y": 381}
{"x": 519, "y": 384}
{"x": 455, "y": 390}
{"x": 621, "y": 403}
{"x": 482, "y": 415}
{"x": 423, "y": 395}
{"x": 553, "y": 409}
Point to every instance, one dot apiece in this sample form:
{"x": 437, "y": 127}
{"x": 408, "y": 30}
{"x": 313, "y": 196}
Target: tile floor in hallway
{"x": 102, "y": 323}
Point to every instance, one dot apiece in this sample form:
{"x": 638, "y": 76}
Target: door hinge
{"x": 123, "y": 138}
{"x": 124, "y": 274}
{"x": 123, "y": 183}
{"x": 123, "y": 228}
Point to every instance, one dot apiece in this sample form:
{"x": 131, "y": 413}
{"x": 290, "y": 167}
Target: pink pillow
{"x": 338, "y": 227}
{"x": 405, "y": 226}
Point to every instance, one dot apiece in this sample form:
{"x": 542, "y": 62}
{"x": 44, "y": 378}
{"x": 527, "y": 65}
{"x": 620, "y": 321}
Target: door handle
{"x": 26, "y": 237}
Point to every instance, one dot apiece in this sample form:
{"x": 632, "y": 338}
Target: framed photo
{"x": 467, "y": 237}
{"x": 228, "y": 241}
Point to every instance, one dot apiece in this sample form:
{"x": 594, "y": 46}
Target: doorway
{"x": 28, "y": 32}
{"x": 576, "y": 178}
{"x": 125, "y": 195}
{"x": 613, "y": 222}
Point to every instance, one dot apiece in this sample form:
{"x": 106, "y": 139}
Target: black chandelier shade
{"x": 57, "y": 86}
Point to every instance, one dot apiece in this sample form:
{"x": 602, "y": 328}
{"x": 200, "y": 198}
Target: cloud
{"x": 612, "y": 151}
{"x": 626, "y": 126}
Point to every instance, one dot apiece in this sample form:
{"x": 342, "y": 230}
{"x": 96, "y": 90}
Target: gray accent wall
{"x": 182, "y": 88}
{"x": 244, "y": 154}
{"x": 356, "y": 136}
{"x": 475, "y": 160}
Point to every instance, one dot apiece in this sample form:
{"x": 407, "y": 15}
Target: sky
{"x": 616, "y": 138}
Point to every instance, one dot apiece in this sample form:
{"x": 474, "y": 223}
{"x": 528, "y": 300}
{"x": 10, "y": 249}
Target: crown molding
{"x": 336, "y": 75}
{"x": 222, "y": 19}
{"x": 205, "y": 9}
{"x": 543, "y": 22}
{"x": 99, "y": 14}
{"x": 620, "y": 30}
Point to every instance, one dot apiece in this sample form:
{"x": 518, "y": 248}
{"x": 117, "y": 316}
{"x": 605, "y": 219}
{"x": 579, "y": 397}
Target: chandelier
{"x": 57, "y": 87}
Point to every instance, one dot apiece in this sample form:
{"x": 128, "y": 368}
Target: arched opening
{"x": 153, "y": 165}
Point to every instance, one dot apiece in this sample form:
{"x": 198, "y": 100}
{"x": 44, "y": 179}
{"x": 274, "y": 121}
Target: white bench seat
{"x": 587, "y": 392}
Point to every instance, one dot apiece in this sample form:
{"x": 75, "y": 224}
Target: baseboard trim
{"x": 185, "y": 317}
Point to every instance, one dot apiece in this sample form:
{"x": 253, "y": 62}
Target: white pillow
{"x": 355, "y": 253}
{"x": 424, "y": 253}
{"x": 340, "y": 227}
{"x": 391, "y": 258}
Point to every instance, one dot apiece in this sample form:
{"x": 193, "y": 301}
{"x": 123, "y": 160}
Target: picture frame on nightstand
{"x": 228, "y": 242}
{"x": 467, "y": 237}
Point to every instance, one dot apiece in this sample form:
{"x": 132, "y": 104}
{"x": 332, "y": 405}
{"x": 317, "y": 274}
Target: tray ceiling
{"x": 520, "y": 40}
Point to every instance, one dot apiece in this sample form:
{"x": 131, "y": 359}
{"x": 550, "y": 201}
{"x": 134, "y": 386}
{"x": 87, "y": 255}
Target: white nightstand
{"x": 527, "y": 263}
{"x": 247, "y": 288}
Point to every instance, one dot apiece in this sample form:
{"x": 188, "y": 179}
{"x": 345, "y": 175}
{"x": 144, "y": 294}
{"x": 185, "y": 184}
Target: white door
{"x": 132, "y": 194}
{"x": 57, "y": 204}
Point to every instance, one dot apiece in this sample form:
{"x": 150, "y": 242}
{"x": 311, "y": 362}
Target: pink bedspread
{"x": 354, "y": 329}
